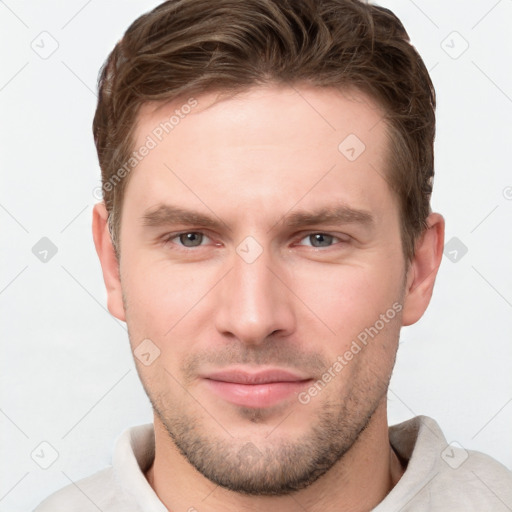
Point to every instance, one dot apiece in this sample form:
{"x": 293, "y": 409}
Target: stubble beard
{"x": 279, "y": 467}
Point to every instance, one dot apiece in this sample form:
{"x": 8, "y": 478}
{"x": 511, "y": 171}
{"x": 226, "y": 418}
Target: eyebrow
{"x": 165, "y": 214}
{"x": 339, "y": 214}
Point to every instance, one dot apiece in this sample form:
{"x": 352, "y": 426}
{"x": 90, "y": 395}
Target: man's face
{"x": 232, "y": 267}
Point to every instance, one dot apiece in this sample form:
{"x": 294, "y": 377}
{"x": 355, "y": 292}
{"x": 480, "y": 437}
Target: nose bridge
{"x": 253, "y": 303}
{"x": 253, "y": 281}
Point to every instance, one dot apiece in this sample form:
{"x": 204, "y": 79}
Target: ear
{"x": 423, "y": 268}
{"x": 108, "y": 260}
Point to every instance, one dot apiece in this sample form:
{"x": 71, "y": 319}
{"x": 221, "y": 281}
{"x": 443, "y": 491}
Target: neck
{"x": 357, "y": 483}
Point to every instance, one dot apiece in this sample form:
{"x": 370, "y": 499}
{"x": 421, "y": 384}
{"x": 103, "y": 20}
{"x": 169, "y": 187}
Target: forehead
{"x": 264, "y": 110}
{"x": 263, "y": 145}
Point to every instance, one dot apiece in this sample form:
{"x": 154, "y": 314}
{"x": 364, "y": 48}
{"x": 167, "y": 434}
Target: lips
{"x": 261, "y": 377}
{"x": 255, "y": 389}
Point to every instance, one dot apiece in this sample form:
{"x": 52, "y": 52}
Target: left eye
{"x": 189, "y": 239}
{"x": 319, "y": 240}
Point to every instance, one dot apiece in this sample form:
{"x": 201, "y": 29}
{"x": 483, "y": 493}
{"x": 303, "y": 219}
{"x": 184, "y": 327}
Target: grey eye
{"x": 191, "y": 239}
{"x": 321, "y": 240}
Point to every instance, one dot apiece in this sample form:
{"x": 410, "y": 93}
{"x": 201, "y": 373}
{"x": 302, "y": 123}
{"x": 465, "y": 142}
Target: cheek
{"x": 362, "y": 308}
{"x": 348, "y": 299}
{"x": 159, "y": 295}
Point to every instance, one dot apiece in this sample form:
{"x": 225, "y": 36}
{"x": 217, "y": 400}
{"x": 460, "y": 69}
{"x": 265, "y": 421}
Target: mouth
{"x": 259, "y": 389}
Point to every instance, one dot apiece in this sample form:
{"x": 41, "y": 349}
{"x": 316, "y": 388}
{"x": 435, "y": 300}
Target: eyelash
{"x": 170, "y": 237}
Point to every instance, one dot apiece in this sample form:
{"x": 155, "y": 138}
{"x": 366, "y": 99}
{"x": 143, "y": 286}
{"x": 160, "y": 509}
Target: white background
{"x": 67, "y": 372}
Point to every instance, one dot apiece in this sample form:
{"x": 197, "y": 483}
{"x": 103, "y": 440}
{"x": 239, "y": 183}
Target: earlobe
{"x": 108, "y": 260}
{"x": 423, "y": 270}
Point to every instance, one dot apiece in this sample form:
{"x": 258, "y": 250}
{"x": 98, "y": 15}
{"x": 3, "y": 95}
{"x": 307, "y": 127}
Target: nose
{"x": 253, "y": 301}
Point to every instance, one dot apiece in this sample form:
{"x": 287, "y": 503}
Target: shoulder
{"x": 473, "y": 479}
{"x": 100, "y": 491}
{"x": 120, "y": 487}
{"x": 442, "y": 476}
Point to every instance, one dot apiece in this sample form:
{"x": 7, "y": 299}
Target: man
{"x": 265, "y": 232}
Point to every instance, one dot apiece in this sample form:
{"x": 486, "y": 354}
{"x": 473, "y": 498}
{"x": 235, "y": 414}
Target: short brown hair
{"x": 196, "y": 46}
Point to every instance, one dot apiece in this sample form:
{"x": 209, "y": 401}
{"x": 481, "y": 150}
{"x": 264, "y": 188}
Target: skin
{"x": 248, "y": 162}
